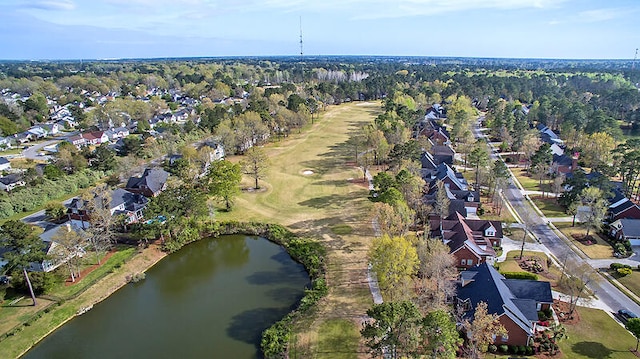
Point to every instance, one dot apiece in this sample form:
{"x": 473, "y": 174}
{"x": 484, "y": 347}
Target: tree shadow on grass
{"x": 331, "y": 201}
{"x": 592, "y": 350}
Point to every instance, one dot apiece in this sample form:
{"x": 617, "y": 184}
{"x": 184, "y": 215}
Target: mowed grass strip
{"x": 338, "y": 338}
{"x": 631, "y": 281}
{"x": 597, "y": 335}
{"x": 549, "y": 206}
{"x": 313, "y": 188}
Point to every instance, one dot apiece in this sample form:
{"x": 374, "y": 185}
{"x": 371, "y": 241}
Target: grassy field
{"x": 338, "y": 338}
{"x": 600, "y": 250}
{"x": 597, "y": 336}
{"x": 330, "y": 204}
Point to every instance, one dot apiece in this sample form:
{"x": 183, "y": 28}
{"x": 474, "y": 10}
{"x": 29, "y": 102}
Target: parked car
{"x": 624, "y": 315}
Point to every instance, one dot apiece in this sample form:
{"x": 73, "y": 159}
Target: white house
{"x": 57, "y": 255}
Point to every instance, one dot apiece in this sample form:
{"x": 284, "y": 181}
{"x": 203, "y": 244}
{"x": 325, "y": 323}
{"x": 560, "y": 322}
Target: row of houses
{"x": 96, "y": 138}
{"x": 472, "y": 240}
{"x": 129, "y": 201}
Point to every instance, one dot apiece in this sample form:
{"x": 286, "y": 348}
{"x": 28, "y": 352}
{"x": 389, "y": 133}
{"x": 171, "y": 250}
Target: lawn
{"x": 313, "y": 188}
{"x": 548, "y": 206}
{"x": 631, "y": 282}
{"x": 517, "y": 234}
{"x": 17, "y": 313}
{"x": 510, "y": 265}
{"x": 600, "y": 250}
{"x": 527, "y": 182}
{"x": 115, "y": 261}
{"x": 597, "y": 336}
{"x": 494, "y": 214}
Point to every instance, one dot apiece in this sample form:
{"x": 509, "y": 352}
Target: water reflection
{"x": 211, "y": 299}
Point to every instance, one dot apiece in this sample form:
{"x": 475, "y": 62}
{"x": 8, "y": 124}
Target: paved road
{"x": 33, "y": 152}
{"x": 40, "y": 219}
{"x": 605, "y": 291}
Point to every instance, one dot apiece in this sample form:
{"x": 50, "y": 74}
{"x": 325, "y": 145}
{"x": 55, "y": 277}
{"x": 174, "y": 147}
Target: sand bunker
{"x": 307, "y": 172}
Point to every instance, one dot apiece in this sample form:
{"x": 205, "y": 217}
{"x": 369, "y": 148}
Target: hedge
{"x": 520, "y": 275}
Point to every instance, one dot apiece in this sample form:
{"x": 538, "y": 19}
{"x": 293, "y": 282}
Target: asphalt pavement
{"x": 610, "y": 297}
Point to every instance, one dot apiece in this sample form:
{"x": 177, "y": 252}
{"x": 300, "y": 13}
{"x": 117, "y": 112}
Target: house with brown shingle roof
{"x": 471, "y": 241}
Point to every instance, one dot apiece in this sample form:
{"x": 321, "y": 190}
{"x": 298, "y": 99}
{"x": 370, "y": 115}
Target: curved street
{"x": 608, "y": 295}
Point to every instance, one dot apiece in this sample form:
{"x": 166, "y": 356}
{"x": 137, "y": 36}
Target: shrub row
{"x": 616, "y": 266}
{"x": 520, "y": 275}
{"x": 511, "y": 349}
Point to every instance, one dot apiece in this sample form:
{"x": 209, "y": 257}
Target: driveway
{"x": 608, "y": 295}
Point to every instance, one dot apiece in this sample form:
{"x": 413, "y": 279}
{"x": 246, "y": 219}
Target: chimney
{"x": 574, "y": 161}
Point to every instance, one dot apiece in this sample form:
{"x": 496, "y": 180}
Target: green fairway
{"x": 313, "y": 187}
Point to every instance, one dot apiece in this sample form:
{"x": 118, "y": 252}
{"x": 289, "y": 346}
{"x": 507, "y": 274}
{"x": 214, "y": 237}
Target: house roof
{"x": 444, "y": 171}
{"x": 132, "y": 201}
{"x": 152, "y": 178}
{"x": 531, "y": 289}
{"x": 630, "y": 226}
{"x": 617, "y": 196}
{"x": 489, "y": 286}
{"x": 442, "y": 150}
{"x": 4, "y": 161}
{"x": 47, "y": 236}
{"x": 458, "y": 232}
{"x": 621, "y": 207}
{"x": 562, "y": 160}
{"x": 11, "y": 178}
{"x": 427, "y": 161}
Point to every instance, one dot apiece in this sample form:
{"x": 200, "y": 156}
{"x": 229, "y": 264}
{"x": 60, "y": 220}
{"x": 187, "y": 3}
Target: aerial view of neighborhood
{"x": 166, "y": 194}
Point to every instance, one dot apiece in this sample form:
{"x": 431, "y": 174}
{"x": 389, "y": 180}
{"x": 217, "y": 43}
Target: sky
{"x": 110, "y": 29}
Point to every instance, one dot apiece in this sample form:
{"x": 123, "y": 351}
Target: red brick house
{"x": 516, "y": 302}
{"x": 471, "y": 240}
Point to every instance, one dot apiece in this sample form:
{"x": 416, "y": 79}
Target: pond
{"x": 211, "y": 299}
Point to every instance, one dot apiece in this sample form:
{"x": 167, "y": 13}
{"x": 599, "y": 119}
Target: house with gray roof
{"x": 465, "y": 202}
{"x": 124, "y": 202}
{"x": 151, "y": 183}
{"x": 9, "y": 182}
{"x": 626, "y": 229}
{"x": 452, "y": 179}
{"x": 56, "y": 255}
{"x": 516, "y": 302}
{"x": 5, "y": 165}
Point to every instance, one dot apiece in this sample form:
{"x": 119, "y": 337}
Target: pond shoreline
{"x": 105, "y": 287}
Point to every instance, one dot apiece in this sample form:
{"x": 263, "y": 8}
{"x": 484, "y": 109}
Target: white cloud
{"x": 399, "y": 8}
{"x": 49, "y": 5}
{"x": 598, "y": 15}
